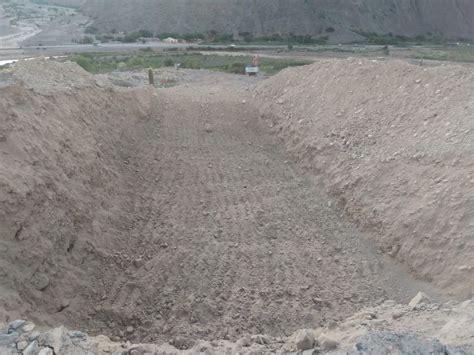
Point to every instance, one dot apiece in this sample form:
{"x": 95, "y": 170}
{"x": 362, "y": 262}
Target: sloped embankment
{"x": 61, "y": 140}
{"x": 394, "y": 143}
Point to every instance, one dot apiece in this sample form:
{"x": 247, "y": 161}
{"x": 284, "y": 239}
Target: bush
{"x": 193, "y": 36}
{"x": 168, "y": 62}
{"x": 85, "y": 61}
{"x": 192, "y": 63}
{"x": 235, "y": 68}
{"x": 223, "y": 37}
{"x": 91, "y": 30}
{"x": 135, "y": 62}
{"x": 121, "y": 66}
{"x": 86, "y": 40}
{"x": 248, "y": 37}
{"x": 145, "y": 34}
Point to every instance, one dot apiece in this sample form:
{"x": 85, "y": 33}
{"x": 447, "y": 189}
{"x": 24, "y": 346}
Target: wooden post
{"x": 151, "y": 78}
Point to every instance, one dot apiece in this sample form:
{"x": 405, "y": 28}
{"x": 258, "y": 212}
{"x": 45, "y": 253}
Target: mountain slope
{"x": 452, "y": 19}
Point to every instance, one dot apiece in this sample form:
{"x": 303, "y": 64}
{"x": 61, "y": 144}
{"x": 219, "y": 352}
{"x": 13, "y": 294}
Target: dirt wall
{"x": 61, "y": 134}
{"x": 393, "y": 142}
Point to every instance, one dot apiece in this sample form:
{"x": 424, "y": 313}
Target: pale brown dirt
{"x": 393, "y": 144}
{"x": 173, "y": 212}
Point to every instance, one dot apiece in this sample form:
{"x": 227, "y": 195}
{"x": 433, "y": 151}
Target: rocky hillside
{"x": 341, "y": 20}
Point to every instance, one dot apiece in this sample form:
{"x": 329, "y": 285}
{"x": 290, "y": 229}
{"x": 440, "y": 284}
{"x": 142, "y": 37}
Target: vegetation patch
{"x": 398, "y": 40}
{"x": 454, "y": 53}
{"x": 103, "y": 63}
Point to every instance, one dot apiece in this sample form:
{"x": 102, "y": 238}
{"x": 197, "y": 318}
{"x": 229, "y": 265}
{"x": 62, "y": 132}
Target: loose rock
{"x": 182, "y": 343}
{"x": 28, "y": 327}
{"x": 304, "y": 340}
{"x": 21, "y": 345}
{"x": 32, "y": 349}
{"x": 8, "y": 339}
{"x": 15, "y": 325}
{"x": 46, "y": 351}
{"x": 328, "y": 344}
{"x": 41, "y": 282}
{"x": 130, "y": 329}
{"x": 208, "y": 128}
{"x": 418, "y": 299}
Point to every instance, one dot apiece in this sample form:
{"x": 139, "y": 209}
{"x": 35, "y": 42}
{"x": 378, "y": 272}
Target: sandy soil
{"x": 392, "y": 143}
{"x": 150, "y": 215}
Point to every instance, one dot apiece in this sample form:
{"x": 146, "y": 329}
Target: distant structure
{"x": 254, "y": 68}
{"x": 170, "y": 40}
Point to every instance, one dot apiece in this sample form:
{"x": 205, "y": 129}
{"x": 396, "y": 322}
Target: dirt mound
{"x": 392, "y": 142}
{"x": 61, "y": 137}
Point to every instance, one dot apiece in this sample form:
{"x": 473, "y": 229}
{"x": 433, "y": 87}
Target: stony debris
{"x": 29, "y": 327}
{"x": 41, "y": 282}
{"x": 31, "y": 349}
{"x": 419, "y": 299}
{"x": 182, "y": 343}
{"x": 304, "y": 340}
{"x": 16, "y": 325}
{"x": 385, "y": 342}
{"x": 327, "y": 344}
{"x": 442, "y": 328}
{"x": 8, "y": 339}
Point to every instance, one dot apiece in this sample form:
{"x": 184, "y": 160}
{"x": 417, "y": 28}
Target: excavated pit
{"x": 148, "y": 215}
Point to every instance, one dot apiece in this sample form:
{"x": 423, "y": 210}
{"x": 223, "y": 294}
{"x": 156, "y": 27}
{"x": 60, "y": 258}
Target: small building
{"x": 170, "y": 40}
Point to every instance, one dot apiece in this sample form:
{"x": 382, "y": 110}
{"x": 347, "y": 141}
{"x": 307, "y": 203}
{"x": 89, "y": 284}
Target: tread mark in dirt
{"x": 232, "y": 234}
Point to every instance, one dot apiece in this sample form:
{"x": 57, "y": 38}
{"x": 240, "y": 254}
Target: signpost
{"x": 253, "y": 69}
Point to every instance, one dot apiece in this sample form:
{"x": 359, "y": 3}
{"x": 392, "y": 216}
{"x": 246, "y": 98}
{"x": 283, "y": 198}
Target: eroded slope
{"x": 393, "y": 142}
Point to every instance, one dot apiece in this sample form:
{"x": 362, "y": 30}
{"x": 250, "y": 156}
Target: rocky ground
{"x": 419, "y": 327}
{"x": 176, "y": 217}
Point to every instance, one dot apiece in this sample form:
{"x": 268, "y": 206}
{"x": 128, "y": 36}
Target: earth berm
{"x": 177, "y": 216}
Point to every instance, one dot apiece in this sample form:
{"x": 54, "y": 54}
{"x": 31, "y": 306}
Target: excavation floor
{"x": 220, "y": 235}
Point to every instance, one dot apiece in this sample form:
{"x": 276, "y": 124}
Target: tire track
{"x": 228, "y": 237}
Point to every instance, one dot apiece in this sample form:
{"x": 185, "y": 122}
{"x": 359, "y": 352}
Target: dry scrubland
{"x": 224, "y": 207}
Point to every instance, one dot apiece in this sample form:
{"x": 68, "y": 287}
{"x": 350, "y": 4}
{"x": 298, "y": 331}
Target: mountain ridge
{"x": 341, "y": 20}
